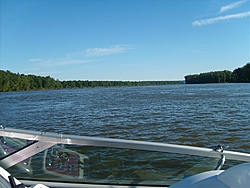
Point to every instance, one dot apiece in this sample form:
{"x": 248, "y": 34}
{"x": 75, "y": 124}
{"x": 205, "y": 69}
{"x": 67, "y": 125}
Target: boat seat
{"x": 237, "y": 176}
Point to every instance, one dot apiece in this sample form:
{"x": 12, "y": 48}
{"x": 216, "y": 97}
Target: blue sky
{"x": 123, "y": 39}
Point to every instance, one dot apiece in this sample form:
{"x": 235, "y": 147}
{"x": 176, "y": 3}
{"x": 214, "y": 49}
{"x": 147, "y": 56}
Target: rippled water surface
{"x": 201, "y": 115}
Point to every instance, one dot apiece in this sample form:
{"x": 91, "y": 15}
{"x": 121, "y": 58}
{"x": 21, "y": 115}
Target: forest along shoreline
{"x": 239, "y": 75}
{"x": 19, "y": 82}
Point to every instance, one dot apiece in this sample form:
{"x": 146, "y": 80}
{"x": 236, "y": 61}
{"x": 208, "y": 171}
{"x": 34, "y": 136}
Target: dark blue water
{"x": 200, "y": 115}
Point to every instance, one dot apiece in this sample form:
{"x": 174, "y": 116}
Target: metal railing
{"x": 46, "y": 140}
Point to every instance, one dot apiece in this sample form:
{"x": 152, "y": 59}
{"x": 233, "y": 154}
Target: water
{"x": 200, "y": 115}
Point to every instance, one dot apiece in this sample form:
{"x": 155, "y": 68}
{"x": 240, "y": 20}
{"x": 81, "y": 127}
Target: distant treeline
{"x": 239, "y": 75}
{"x": 19, "y": 82}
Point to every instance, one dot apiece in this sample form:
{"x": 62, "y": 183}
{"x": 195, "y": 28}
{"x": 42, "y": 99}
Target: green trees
{"x": 87, "y": 83}
{"x": 209, "y": 77}
{"x": 19, "y": 82}
{"x": 238, "y": 75}
{"x": 242, "y": 74}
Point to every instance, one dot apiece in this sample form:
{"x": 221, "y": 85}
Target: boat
{"x": 42, "y": 159}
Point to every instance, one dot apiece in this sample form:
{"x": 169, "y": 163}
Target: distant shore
{"x": 19, "y": 82}
{"x": 239, "y": 75}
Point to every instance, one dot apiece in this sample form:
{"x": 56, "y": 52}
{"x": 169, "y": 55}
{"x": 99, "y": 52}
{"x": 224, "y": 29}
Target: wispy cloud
{"x": 232, "y": 6}
{"x": 82, "y": 57}
{"x": 64, "y": 61}
{"x": 220, "y": 18}
{"x": 107, "y": 51}
{"x": 35, "y": 60}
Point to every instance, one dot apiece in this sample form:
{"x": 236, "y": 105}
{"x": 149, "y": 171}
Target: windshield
{"x": 109, "y": 165}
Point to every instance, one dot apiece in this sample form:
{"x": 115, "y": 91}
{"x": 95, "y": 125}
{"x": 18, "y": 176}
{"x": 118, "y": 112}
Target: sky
{"x": 123, "y": 40}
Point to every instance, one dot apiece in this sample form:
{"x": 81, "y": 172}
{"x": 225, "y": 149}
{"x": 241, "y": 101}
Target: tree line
{"x": 239, "y": 75}
{"x": 19, "y": 82}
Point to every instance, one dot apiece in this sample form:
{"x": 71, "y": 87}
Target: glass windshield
{"x": 88, "y": 164}
{"x": 11, "y": 145}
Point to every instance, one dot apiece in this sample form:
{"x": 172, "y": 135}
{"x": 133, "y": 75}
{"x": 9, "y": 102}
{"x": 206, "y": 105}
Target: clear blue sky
{"x": 123, "y": 39}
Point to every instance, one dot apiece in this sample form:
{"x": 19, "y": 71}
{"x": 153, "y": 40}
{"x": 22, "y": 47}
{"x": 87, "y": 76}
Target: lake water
{"x": 200, "y": 115}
